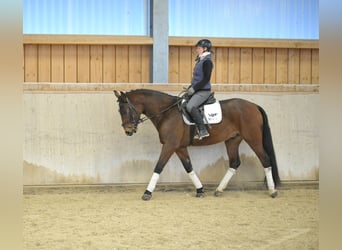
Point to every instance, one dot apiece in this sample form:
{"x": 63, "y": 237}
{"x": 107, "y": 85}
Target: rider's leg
{"x": 192, "y": 107}
{"x": 202, "y": 130}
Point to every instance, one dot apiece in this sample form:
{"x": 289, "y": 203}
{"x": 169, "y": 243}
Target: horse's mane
{"x": 151, "y": 92}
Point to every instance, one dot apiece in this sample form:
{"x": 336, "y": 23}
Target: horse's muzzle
{"x": 129, "y": 128}
{"x": 130, "y": 131}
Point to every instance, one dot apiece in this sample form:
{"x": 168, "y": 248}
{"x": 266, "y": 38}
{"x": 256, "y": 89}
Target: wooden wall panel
{"x": 96, "y": 61}
{"x": 109, "y": 63}
{"x": 44, "y": 63}
{"x": 131, "y": 63}
{"x": 221, "y": 68}
{"x": 57, "y": 63}
{"x": 174, "y": 64}
{"x": 315, "y": 66}
{"x": 31, "y": 63}
{"x": 186, "y": 64}
{"x": 83, "y": 63}
{"x": 134, "y": 64}
{"x": 234, "y": 60}
{"x": 70, "y": 63}
{"x": 293, "y": 72}
{"x": 246, "y": 65}
{"x": 145, "y": 64}
{"x": 270, "y": 65}
{"x": 282, "y": 66}
{"x": 121, "y": 65}
{"x": 305, "y": 66}
{"x": 258, "y": 65}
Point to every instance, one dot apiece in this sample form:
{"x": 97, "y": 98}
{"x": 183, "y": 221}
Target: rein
{"x": 143, "y": 119}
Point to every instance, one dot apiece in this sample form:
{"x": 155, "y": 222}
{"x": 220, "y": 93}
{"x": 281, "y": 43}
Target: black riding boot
{"x": 202, "y": 130}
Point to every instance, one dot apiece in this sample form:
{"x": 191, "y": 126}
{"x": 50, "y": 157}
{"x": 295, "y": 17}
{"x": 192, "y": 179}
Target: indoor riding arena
{"x": 84, "y": 177}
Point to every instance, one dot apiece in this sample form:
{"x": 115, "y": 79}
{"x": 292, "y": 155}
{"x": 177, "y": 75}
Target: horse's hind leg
{"x": 259, "y": 150}
{"x": 183, "y": 155}
{"x": 232, "y": 146}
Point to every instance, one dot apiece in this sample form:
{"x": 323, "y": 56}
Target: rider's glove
{"x": 190, "y": 91}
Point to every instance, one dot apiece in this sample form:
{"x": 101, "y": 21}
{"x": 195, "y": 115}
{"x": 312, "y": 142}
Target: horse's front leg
{"x": 165, "y": 155}
{"x": 183, "y": 155}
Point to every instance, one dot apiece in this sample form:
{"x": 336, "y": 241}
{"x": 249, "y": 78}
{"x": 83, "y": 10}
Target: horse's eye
{"x": 124, "y": 111}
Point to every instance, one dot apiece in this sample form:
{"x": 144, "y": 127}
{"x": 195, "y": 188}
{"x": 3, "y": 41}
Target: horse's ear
{"x": 117, "y": 94}
{"x": 120, "y": 95}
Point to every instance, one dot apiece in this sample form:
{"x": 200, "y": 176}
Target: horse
{"x": 241, "y": 120}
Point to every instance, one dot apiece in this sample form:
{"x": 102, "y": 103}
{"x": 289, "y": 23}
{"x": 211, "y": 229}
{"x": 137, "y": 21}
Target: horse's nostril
{"x": 129, "y": 133}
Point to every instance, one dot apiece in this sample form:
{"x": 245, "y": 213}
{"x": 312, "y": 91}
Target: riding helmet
{"x": 204, "y": 43}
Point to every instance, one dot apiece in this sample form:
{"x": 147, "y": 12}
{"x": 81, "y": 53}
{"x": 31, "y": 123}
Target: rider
{"x": 200, "y": 88}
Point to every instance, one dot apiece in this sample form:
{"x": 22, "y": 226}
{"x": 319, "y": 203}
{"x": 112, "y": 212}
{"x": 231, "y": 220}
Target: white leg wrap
{"x": 195, "y": 180}
{"x": 269, "y": 179}
{"x": 226, "y": 179}
{"x": 153, "y": 182}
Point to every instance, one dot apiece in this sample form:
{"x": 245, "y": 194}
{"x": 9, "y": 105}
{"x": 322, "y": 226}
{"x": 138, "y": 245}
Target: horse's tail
{"x": 268, "y": 146}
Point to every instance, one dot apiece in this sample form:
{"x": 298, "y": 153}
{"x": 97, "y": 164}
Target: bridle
{"x": 133, "y": 112}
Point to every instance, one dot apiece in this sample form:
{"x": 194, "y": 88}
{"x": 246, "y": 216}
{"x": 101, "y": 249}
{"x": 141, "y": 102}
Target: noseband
{"x": 132, "y": 112}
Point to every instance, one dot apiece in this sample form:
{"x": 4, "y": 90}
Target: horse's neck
{"x": 154, "y": 104}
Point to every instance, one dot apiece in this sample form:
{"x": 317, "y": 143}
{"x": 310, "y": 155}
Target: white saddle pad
{"x": 212, "y": 114}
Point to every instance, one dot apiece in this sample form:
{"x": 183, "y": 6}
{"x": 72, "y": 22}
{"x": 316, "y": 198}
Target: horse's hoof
{"x": 200, "y": 195}
{"x": 274, "y": 194}
{"x": 146, "y": 197}
{"x": 218, "y": 193}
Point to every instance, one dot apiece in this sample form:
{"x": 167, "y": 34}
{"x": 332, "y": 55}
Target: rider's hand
{"x": 190, "y": 91}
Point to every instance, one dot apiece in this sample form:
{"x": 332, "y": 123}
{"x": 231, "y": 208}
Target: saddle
{"x": 210, "y": 110}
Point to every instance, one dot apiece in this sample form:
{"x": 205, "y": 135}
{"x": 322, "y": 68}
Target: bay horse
{"x": 241, "y": 120}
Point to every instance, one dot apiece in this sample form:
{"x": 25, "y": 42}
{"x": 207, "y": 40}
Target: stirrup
{"x": 200, "y": 137}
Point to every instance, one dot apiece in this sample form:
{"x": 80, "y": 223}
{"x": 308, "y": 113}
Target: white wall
{"x": 77, "y": 138}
